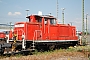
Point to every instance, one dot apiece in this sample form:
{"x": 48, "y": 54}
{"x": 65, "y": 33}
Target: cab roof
{"x": 45, "y": 16}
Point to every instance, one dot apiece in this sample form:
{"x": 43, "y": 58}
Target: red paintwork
{"x": 10, "y": 35}
{"x": 37, "y": 30}
{"x": 2, "y": 35}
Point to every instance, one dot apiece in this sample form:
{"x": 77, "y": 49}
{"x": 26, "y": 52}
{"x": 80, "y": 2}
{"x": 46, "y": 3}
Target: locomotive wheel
{"x": 51, "y": 47}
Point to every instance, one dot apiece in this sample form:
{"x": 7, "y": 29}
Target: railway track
{"x": 22, "y": 52}
{"x": 30, "y": 52}
{"x": 56, "y": 57}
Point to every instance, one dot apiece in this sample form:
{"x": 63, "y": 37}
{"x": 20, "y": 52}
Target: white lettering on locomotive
{"x": 19, "y": 25}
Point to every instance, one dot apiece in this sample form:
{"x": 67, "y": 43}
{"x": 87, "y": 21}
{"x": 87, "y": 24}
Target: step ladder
{"x": 35, "y": 38}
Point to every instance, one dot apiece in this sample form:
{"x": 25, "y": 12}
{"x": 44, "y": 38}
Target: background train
{"x": 41, "y": 32}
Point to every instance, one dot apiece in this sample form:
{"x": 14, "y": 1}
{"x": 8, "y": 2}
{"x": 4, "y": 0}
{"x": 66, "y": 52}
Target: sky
{"x": 15, "y": 10}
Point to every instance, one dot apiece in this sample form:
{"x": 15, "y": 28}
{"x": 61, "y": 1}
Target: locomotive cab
{"x": 34, "y": 19}
{"x": 38, "y": 19}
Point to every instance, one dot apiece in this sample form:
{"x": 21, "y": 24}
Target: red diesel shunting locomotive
{"x": 44, "y": 30}
{"x": 41, "y": 32}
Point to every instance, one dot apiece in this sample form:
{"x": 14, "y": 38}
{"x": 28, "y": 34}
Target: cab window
{"x": 52, "y": 21}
